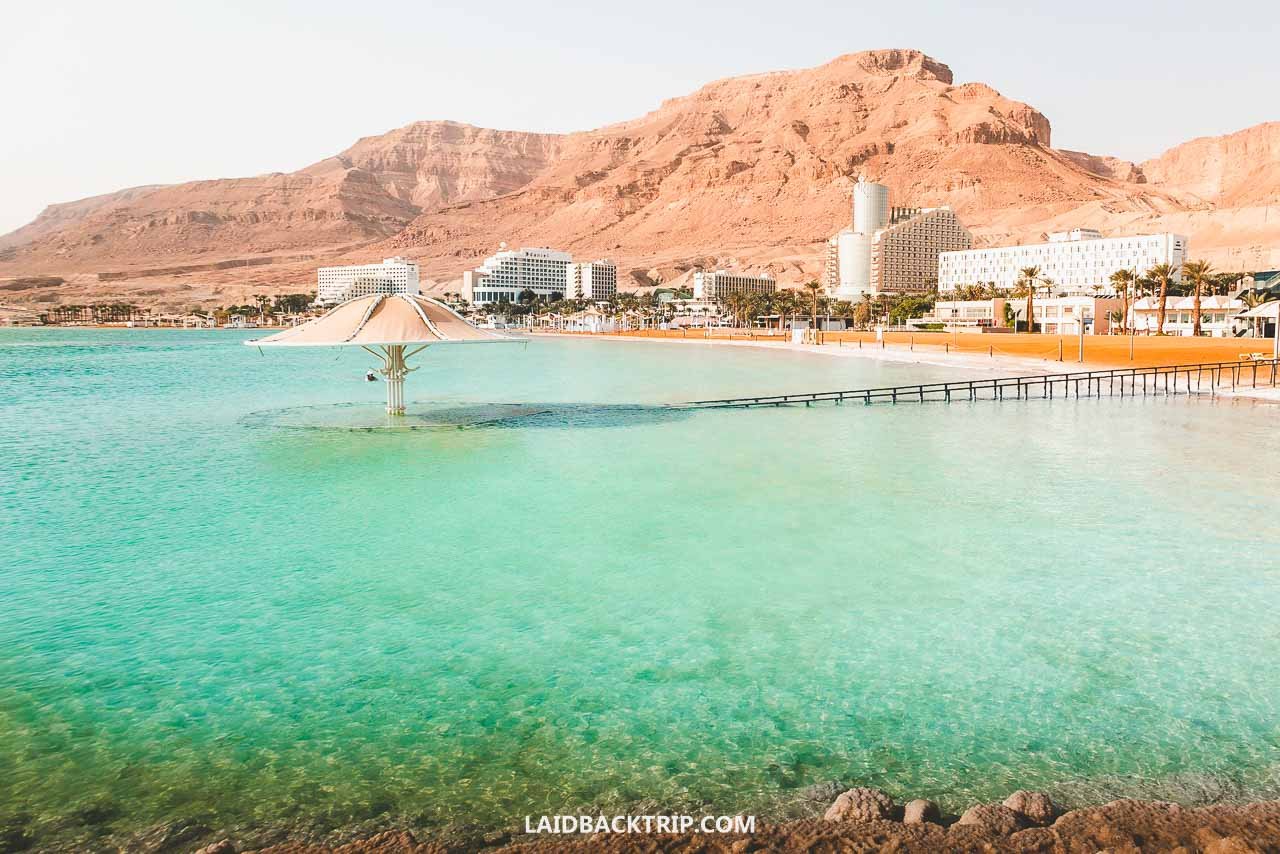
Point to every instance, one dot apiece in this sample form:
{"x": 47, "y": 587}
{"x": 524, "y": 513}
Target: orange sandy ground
{"x": 1099, "y": 350}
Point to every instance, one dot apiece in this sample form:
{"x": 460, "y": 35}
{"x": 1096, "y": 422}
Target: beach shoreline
{"x": 984, "y": 366}
{"x": 1001, "y": 365}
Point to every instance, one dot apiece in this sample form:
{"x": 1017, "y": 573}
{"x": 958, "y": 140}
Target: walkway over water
{"x": 1206, "y": 378}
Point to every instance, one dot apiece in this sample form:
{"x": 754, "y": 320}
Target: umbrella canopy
{"x": 385, "y": 324}
{"x": 384, "y": 319}
{"x": 1267, "y": 309}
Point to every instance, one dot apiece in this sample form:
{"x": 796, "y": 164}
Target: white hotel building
{"x": 720, "y": 284}
{"x": 1078, "y": 262}
{"x": 889, "y": 250}
{"x": 510, "y": 272}
{"x": 392, "y": 276}
{"x": 592, "y": 280}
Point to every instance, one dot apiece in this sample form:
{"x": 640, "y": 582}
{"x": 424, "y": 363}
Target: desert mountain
{"x": 751, "y": 172}
{"x": 367, "y": 193}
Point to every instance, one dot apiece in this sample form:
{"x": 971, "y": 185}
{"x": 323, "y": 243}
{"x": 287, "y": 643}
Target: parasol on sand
{"x": 393, "y": 327}
{"x": 1267, "y": 311}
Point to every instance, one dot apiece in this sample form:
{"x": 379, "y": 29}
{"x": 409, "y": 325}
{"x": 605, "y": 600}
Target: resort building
{"x": 509, "y": 273}
{"x": 1265, "y": 280}
{"x": 1077, "y": 262}
{"x": 889, "y": 250}
{"x": 831, "y": 264}
{"x": 904, "y": 256}
{"x": 1054, "y": 315}
{"x": 848, "y": 272}
{"x": 720, "y": 284}
{"x": 392, "y": 276}
{"x": 1217, "y": 315}
{"x": 592, "y": 280}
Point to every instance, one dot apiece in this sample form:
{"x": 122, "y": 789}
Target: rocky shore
{"x": 857, "y": 819}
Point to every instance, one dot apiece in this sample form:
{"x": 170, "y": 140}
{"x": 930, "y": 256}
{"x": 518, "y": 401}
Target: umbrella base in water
{"x": 459, "y": 415}
{"x": 417, "y": 416}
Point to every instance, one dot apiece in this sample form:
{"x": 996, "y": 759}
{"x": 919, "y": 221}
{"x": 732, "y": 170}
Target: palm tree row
{"x": 1161, "y": 281}
{"x": 744, "y": 309}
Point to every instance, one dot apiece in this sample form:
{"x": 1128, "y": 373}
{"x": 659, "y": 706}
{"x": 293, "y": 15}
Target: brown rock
{"x": 1121, "y": 826}
{"x": 823, "y": 792}
{"x": 1036, "y": 807}
{"x": 993, "y": 818}
{"x": 222, "y": 846}
{"x": 920, "y": 811}
{"x": 861, "y": 804}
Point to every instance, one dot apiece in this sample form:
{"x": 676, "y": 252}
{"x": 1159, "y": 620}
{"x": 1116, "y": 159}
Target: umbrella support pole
{"x": 394, "y": 370}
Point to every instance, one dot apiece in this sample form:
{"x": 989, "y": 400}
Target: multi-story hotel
{"x": 392, "y": 276}
{"x": 592, "y": 280}
{"x": 889, "y": 250}
{"x": 509, "y": 273}
{"x": 904, "y": 256}
{"x": 1077, "y": 262}
{"x": 720, "y": 284}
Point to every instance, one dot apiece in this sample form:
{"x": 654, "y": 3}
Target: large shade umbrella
{"x": 1267, "y": 311}
{"x": 393, "y": 327}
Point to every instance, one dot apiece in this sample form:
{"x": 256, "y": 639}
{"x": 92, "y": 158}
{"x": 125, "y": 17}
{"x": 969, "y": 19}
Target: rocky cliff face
{"x": 366, "y": 193}
{"x": 752, "y": 172}
{"x": 429, "y": 164}
{"x": 1235, "y": 170}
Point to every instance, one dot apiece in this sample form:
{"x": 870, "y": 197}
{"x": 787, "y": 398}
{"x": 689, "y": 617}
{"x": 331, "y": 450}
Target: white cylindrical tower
{"x": 854, "y": 252}
{"x": 870, "y": 206}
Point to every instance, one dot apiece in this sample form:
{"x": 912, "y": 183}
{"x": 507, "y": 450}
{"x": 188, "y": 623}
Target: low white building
{"x": 1054, "y": 315}
{"x": 1217, "y": 315}
{"x": 696, "y": 312}
{"x": 592, "y": 280}
{"x": 1078, "y": 262}
{"x": 590, "y": 320}
{"x": 392, "y": 276}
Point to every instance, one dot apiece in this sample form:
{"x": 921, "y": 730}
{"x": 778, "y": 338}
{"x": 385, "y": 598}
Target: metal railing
{"x": 1202, "y": 378}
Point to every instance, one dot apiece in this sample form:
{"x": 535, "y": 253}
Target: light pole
{"x": 1080, "y": 322}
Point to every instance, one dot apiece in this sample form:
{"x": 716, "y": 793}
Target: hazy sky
{"x": 103, "y": 95}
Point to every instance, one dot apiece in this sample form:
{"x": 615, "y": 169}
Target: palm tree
{"x": 1162, "y": 275}
{"x": 734, "y": 302}
{"x": 813, "y": 287}
{"x": 1010, "y": 316}
{"x": 1200, "y": 275}
{"x": 1029, "y": 277}
{"x": 1224, "y": 283}
{"x": 870, "y": 311}
{"x": 1123, "y": 280}
{"x": 784, "y": 303}
{"x": 262, "y": 301}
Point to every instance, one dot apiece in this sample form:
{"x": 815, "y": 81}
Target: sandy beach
{"x": 1013, "y": 356}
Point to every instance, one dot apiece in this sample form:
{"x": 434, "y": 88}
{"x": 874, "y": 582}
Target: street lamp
{"x": 1080, "y": 323}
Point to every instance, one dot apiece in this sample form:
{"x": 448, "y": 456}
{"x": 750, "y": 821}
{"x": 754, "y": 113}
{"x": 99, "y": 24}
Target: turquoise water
{"x": 206, "y": 614}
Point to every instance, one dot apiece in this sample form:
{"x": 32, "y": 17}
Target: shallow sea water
{"x": 218, "y": 603}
